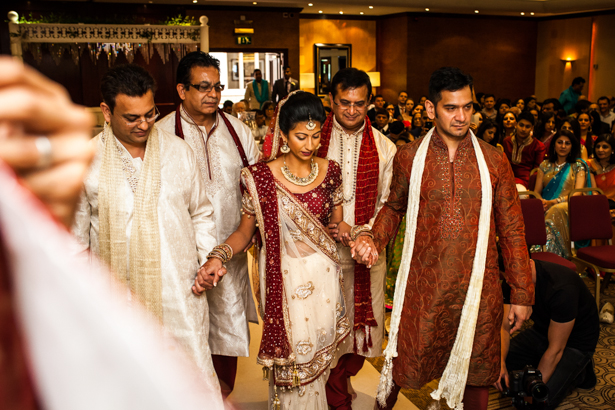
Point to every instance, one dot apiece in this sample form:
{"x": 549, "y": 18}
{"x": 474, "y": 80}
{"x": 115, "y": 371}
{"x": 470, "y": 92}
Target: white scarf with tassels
{"x": 455, "y": 375}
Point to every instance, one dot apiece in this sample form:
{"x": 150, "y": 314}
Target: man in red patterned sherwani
{"x": 445, "y": 245}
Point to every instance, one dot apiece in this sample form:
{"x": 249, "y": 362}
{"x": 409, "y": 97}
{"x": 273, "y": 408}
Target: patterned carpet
{"x": 602, "y": 397}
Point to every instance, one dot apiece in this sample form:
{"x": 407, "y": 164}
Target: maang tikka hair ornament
{"x": 310, "y": 124}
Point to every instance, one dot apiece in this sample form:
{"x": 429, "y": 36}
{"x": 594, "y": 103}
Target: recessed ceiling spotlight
{"x": 476, "y": 11}
{"x": 522, "y": 13}
{"x": 361, "y": 13}
{"x": 426, "y": 9}
{"x": 532, "y": 13}
{"x": 194, "y": 1}
{"x": 310, "y": 4}
{"x": 254, "y": 2}
{"x": 341, "y": 12}
{"x": 371, "y": 7}
{"x": 320, "y": 11}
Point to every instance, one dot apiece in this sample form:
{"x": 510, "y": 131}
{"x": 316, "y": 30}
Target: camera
{"x": 526, "y": 383}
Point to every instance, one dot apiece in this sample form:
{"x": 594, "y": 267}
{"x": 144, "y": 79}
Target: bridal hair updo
{"x": 301, "y": 107}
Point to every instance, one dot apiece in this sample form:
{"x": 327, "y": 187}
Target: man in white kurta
{"x": 184, "y": 230}
{"x": 231, "y": 306}
{"x": 349, "y": 109}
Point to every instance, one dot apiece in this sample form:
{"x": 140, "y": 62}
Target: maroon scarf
{"x": 274, "y": 344}
{"x": 365, "y": 205}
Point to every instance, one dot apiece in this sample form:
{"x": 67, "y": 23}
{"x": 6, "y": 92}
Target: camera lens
{"x": 539, "y": 391}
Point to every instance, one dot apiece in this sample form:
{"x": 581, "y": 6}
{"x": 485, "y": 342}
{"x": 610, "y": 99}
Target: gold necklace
{"x": 297, "y": 180}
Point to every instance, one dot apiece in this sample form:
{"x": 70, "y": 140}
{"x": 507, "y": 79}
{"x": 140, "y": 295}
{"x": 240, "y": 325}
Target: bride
{"x": 290, "y": 200}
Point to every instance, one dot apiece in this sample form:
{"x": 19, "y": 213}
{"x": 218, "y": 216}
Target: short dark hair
{"x": 255, "y": 70}
{"x": 266, "y": 105}
{"x": 286, "y": 67}
{"x": 539, "y": 132}
{"x": 609, "y": 139}
{"x": 447, "y": 79}
{"x": 489, "y": 96}
{"x": 130, "y": 79}
{"x": 259, "y": 112}
{"x": 300, "y": 107}
{"x": 604, "y": 97}
{"x": 350, "y": 78}
{"x": 405, "y": 92}
{"x": 227, "y": 103}
{"x": 194, "y": 59}
{"x": 527, "y": 116}
{"x": 380, "y": 111}
{"x": 556, "y": 104}
{"x": 578, "y": 80}
{"x": 396, "y": 127}
{"x": 575, "y": 150}
{"x": 581, "y": 105}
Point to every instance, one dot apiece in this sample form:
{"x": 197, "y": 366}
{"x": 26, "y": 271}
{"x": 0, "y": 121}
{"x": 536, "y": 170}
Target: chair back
{"x": 534, "y": 218}
{"x": 589, "y": 216}
{"x": 532, "y": 182}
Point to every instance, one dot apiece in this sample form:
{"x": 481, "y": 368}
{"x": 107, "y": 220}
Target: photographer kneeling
{"x": 562, "y": 341}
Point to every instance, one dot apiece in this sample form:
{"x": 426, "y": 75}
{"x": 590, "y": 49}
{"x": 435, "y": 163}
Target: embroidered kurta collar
{"x": 517, "y": 152}
{"x": 439, "y": 143}
{"x": 186, "y": 117}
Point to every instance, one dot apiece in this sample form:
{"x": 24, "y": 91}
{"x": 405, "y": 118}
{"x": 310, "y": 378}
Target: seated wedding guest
{"x": 550, "y": 105}
{"x": 606, "y": 115}
{"x": 477, "y": 117}
{"x": 390, "y": 109}
{"x": 523, "y": 150}
{"x": 582, "y": 106}
{"x": 238, "y": 108}
{"x": 598, "y": 127}
{"x": 586, "y": 137}
{"x": 488, "y": 107}
{"x": 520, "y": 103}
{"x": 422, "y": 100}
{"x": 418, "y": 108}
{"x": 396, "y": 129}
{"x": 480, "y": 98}
{"x": 227, "y": 107}
{"x": 379, "y": 102}
{"x": 572, "y": 125}
{"x": 381, "y": 122}
{"x": 261, "y": 126}
{"x": 417, "y": 125}
{"x": 488, "y": 132}
{"x": 502, "y": 106}
{"x": 508, "y": 125}
{"x": 400, "y": 108}
{"x": 534, "y": 113}
{"x": 559, "y": 174}
{"x": 530, "y": 103}
{"x": 269, "y": 111}
{"x": 603, "y": 169}
{"x": 407, "y": 114}
{"x": 563, "y": 338}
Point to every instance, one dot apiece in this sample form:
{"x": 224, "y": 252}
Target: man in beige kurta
{"x": 183, "y": 233}
{"x": 349, "y": 108}
{"x": 210, "y": 135}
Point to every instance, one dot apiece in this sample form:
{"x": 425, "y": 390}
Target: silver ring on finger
{"x": 43, "y": 146}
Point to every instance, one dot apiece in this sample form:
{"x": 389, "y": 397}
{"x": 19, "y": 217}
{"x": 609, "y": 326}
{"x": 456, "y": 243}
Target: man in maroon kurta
{"x": 523, "y": 150}
{"x": 445, "y": 245}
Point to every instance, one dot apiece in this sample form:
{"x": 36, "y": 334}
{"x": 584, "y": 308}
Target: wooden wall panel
{"x": 393, "y": 53}
{"x": 500, "y": 53}
{"x": 360, "y": 33}
{"x": 557, "y": 40}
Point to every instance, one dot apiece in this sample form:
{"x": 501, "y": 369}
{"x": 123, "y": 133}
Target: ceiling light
{"x": 426, "y": 9}
{"x": 320, "y": 11}
{"x": 476, "y": 11}
{"x": 371, "y": 7}
{"x": 522, "y": 13}
{"x": 254, "y": 2}
{"x": 361, "y": 13}
{"x": 532, "y": 13}
{"x": 194, "y": 1}
{"x": 310, "y": 4}
{"x": 341, "y": 12}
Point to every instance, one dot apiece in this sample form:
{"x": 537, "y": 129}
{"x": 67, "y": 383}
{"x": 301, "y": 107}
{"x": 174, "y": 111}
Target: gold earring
{"x": 285, "y": 149}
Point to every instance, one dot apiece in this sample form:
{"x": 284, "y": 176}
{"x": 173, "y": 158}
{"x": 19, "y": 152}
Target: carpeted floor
{"x": 602, "y": 397}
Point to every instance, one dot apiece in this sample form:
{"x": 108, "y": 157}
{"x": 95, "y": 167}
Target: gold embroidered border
{"x": 309, "y": 226}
